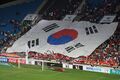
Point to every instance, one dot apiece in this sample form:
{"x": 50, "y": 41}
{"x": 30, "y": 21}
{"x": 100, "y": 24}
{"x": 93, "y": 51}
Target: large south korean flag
{"x": 73, "y": 39}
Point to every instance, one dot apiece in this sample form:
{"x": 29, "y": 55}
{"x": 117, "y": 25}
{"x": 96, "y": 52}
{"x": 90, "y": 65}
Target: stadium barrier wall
{"x": 15, "y": 60}
{"x": 77, "y": 66}
{"x": 31, "y": 61}
{"x": 96, "y": 69}
{"x": 68, "y": 66}
{"x": 114, "y": 71}
{"x": 91, "y": 68}
{"x": 3, "y": 60}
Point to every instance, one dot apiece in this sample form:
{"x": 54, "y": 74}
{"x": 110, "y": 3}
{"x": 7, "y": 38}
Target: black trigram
{"x": 69, "y": 49}
{"x": 33, "y": 43}
{"x": 91, "y": 30}
{"x": 78, "y": 45}
{"x": 50, "y": 27}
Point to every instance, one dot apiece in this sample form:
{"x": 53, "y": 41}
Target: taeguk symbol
{"x": 62, "y": 37}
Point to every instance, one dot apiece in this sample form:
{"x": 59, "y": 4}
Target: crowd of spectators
{"x": 56, "y": 11}
{"x": 10, "y": 21}
{"x": 49, "y": 56}
{"x": 59, "y": 9}
{"x": 95, "y": 14}
{"x": 107, "y": 54}
{"x": 11, "y": 37}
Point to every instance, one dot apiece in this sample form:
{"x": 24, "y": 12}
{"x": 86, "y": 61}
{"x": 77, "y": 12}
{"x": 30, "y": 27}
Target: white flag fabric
{"x": 108, "y": 19}
{"x": 73, "y": 39}
{"x": 31, "y": 17}
{"x": 69, "y": 17}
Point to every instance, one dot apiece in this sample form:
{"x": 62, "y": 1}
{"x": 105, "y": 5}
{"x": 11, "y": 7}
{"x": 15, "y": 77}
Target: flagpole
{"x": 19, "y": 62}
{"x": 26, "y": 57}
{"x": 42, "y": 65}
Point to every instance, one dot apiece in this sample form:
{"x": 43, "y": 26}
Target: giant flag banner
{"x": 68, "y": 38}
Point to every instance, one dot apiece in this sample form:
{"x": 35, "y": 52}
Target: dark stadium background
{"x": 5, "y": 1}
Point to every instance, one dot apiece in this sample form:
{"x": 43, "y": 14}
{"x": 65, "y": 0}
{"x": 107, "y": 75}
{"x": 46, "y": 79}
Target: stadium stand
{"x": 57, "y": 12}
{"x": 11, "y": 17}
{"x": 6, "y": 1}
{"x": 94, "y": 10}
{"x": 106, "y": 54}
